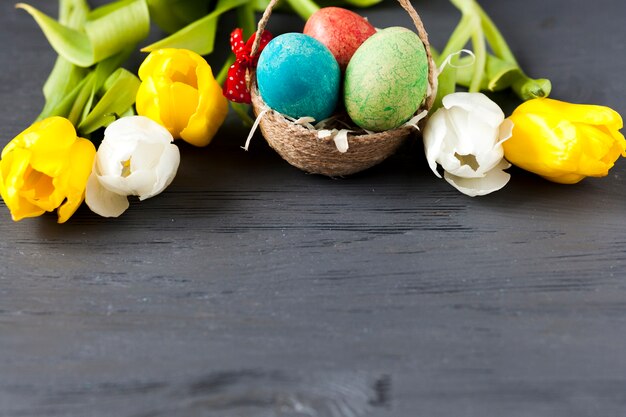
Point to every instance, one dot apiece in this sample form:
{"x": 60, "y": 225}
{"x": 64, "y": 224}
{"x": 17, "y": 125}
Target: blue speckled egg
{"x": 298, "y": 76}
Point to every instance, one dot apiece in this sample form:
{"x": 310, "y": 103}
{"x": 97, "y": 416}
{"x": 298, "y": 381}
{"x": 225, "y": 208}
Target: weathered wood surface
{"x": 252, "y": 289}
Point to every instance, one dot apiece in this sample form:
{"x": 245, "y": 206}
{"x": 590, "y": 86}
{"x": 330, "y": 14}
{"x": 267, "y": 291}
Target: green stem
{"x": 494, "y": 37}
{"x": 467, "y": 7}
{"x": 82, "y": 98}
{"x": 461, "y": 34}
{"x": 480, "y": 56}
{"x": 304, "y": 8}
{"x": 242, "y": 111}
{"x": 446, "y": 85}
{"x": 221, "y": 76}
{"x": 525, "y": 87}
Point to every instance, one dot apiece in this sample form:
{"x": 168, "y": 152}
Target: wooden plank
{"x": 251, "y": 289}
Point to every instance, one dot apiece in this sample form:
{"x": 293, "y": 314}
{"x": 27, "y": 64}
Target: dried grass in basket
{"x": 301, "y": 147}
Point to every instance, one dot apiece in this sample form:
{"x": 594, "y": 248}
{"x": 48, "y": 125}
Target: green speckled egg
{"x": 386, "y": 80}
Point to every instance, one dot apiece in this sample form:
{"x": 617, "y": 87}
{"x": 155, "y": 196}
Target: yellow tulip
{"x": 44, "y": 168}
{"x": 179, "y": 92}
{"x": 565, "y": 142}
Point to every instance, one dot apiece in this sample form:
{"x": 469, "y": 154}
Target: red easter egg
{"x": 341, "y": 30}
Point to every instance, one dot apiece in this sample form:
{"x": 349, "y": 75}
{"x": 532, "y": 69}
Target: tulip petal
{"x": 12, "y": 167}
{"x": 211, "y": 111}
{"x": 165, "y": 171}
{"x": 102, "y": 201}
{"x": 492, "y": 181}
{"x": 577, "y": 113}
{"x": 15, "y": 166}
{"x": 146, "y": 156}
{"x": 433, "y": 136}
{"x": 139, "y": 182}
{"x": 81, "y": 160}
{"x": 147, "y": 100}
{"x": 112, "y": 156}
{"x": 136, "y": 128}
{"x": 479, "y": 105}
{"x": 183, "y": 102}
{"x": 136, "y": 157}
{"x": 121, "y": 185}
{"x": 54, "y": 134}
{"x": 179, "y": 91}
{"x": 45, "y": 168}
{"x": 489, "y": 160}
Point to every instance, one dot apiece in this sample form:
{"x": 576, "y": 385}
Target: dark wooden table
{"x": 252, "y": 289}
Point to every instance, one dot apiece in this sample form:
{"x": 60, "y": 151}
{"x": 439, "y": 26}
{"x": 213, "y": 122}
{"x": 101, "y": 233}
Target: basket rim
{"x": 403, "y": 129}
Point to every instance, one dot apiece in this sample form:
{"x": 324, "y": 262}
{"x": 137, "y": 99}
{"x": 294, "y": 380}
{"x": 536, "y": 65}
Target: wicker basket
{"x": 301, "y": 146}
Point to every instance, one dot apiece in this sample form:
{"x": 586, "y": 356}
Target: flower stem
{"x": 304, "y": 8}
{"x": 480, "y": 55}
{"x": 525, "y": 87}
{"x": 221, "y": 76}
{"x": 494, "y": 36}
{"x": 501, "y": 70}
{"x": 446, "y": 85}
{"x": 462, "y": 33}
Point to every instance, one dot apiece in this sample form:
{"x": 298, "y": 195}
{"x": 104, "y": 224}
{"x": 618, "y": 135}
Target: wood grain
{"x": 251, "y": 289}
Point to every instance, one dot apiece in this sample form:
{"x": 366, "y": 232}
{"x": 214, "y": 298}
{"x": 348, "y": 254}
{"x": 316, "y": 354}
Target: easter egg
{"x": 298, "y": 76}
{"x": 341, "y": 30}
{"x": 386, "y": 80}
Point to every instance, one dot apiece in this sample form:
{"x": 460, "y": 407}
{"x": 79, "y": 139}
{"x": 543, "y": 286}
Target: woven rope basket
{"x": 301, "y": 146}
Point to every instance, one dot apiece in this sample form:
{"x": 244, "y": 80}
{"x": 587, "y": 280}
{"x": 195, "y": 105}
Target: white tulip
{"x": 136, "y": 157}
{"x": 465, "y": 137}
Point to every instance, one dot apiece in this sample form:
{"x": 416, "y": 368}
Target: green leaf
{"x": 73, "y": 13}
{"x": 173, "y": 15}
{"x": 446, "y": 85}
{"x": 200, "y": 35}
{"x": 107, "y": 30}
{"x": 69, "y": 43}
{"x": 499, "y": 74}
{"x": 82, "y": 97}
{"x": 304, "y": 8}
{"x": 354, "y": 3}
{"x": 223, "y": 73}
{"x": 246, "y": 19}
{"x": 459, "y": 38}
{"x": 78, "y": 102}
{"x": 127, "y": 113}
{"x": 63, "y": 105}
{"x": 118, "y": 95}
{"x": 101, "y": 74}
{"x": 261, "y": 5}
{"x": 61, "y": 82}
{"x": 362, "y": 3}
{"x": 494, "y": 37}
{"x": 65, "y": 76}
{"x": 480, "y": 54}
{"x": 307, "y": 7}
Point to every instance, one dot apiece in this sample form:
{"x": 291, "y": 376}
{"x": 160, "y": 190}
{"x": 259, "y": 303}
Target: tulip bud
{"x": 465, "y": 137}
{"x": 178, "y": 91}
{"x": 565, "y": 142}
{"x": 44, "y": 168}
{"x": 136, "y": 157}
